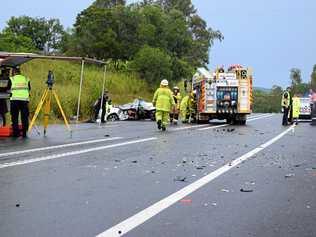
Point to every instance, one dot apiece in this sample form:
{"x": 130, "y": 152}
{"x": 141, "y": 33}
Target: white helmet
{"x": 164, "y": 82}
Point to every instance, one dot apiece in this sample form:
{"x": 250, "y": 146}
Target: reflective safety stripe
{"x": 20, "y": 88}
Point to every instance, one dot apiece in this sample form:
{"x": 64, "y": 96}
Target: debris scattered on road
{"x": 134, "y": 161}
{"x": 214, "y": 204}
{"x": 193, "y": 175}
{"x": 225, "y": 190}
{"x": 308, "y": 206}
{"x": 120, "y": 232}
{"x": 246, "y": 190}
{"x": 186, "y": 201}
{"x": 117, "y": 161}
{"x": 205, "y": 204}
{"x": 200, "y": 167}
{"x": 106, "y": 135}
{"x": 250, "y": 183}
{"x": 153, "y": 172}
{"x": 230, "y": 130}
{"x": 17, "y": 205}
{"x": 298, "y": 165}
{"x": 289, "y": 175}
{"x": 262, "y": 133}
{"x": 180, "y": 178}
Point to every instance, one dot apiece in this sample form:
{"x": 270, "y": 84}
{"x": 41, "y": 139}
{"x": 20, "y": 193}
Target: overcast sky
{"x": 270, "y": 36}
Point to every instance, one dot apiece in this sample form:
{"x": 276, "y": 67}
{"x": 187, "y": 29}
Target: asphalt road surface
{"x": 128, "y": 179}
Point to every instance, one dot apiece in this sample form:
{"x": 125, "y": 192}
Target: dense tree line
{"x": 156, "y": 38}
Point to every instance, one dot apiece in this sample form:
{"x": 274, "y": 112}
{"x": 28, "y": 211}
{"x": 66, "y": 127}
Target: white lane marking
{"x": 58, "y": 146}
{"x": 139, "y": 218}
{"x": 207, "y": 125}
{"x": 261, "y": 117}
{"x": 224, "y": 125}
{"x": 72, "y": 153}
{"x": 189, "y": 127}
{"x": 212, "y": 127}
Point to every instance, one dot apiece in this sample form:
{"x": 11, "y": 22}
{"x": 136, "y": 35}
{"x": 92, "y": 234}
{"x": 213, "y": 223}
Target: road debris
{"x": 134, "y": 161}
{"x": 106, "y": 135}
{"x": 243, "y": 190}
{"x": 289, "y": 175}
{"x": 180, "y": 178}
{"x": 17, "y": 205}
{"x": 214, "y": 204}
{"x": 200, "y": 167}
{"x": 225, "y": 190}
{"x": 186, "y": 201}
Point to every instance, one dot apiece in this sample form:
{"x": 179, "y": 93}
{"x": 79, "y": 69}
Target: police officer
{"x": 286, "y": 105}
{"x": 4, "y": 93}
{"x": 97, "y": 107}
{"x": 20, "y": 95}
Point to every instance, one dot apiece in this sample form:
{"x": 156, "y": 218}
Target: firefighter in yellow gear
{"x": 184, "y": 109}
{"x": 164, "y": 102}
{"x": 174, "y": 116}
{"x": 296, "y": 108}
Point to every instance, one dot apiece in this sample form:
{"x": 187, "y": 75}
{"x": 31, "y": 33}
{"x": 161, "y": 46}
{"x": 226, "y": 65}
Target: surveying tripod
{"x": 45, "y": 101}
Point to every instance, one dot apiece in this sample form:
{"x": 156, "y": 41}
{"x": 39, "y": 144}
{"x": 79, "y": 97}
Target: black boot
{"x": 159, "y": 124}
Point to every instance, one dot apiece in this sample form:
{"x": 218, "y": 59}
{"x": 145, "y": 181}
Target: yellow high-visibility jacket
{"x": 163, "y": 99}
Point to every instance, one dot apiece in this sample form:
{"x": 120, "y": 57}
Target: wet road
{"x": 127, "y": 179}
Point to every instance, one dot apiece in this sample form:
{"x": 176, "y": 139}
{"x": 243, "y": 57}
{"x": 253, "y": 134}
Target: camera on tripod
{"x": 50, "y": 79}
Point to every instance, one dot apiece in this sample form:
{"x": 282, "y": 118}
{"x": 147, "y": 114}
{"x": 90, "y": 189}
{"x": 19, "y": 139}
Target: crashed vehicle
{"x": 138, "y": 109}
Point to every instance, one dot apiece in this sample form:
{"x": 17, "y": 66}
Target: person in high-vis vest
{"x": 20, "y": 96}
{"x": 164, "y": 102}
{"x": 296, "y": 108}
{"x": 4, "y": 93}
{"x": 285, "y": 103}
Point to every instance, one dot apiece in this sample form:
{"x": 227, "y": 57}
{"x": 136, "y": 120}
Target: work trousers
{"x": 17, "y": 107}
{"x": 285, "y": 116}
{"x": 96, "y": 114}
{"x": 163, "y": 116}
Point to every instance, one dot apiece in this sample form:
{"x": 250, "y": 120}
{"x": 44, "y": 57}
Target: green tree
{"x": 313, "y": 78}
{"x": 46, "y": 34}
{"x": 295, "y": 76}
{"x": 108, "y": 3}
{"x": 153, "y": 64}
{"x": 184, "y": 6}
{"x": 15, "y": 43}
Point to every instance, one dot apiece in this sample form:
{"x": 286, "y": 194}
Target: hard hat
{"x": 176, "y": 88}
{"x": 164, "y": 82}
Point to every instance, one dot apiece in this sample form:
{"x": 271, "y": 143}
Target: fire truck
{"x": 223, "y": 95}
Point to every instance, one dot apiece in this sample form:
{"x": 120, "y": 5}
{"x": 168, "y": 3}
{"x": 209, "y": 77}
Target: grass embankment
{"x": 123, "y": 87}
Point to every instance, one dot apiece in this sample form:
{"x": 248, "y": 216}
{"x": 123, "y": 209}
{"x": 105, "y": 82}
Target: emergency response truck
{"x": 223, "y": 95}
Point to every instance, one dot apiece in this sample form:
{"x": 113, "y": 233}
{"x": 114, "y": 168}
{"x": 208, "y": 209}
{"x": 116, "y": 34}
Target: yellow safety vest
{"x": 20, "y": 88}
{"x": 296, "y": 107}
